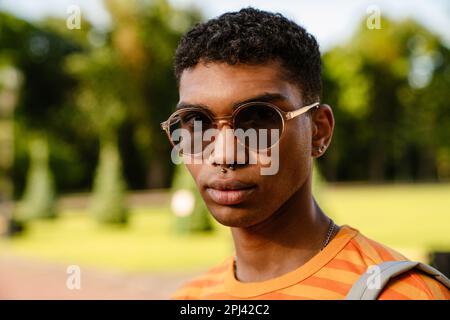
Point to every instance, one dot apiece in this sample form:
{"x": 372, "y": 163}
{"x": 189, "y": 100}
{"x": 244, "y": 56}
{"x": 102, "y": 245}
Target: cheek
{"x": 295, "y": 153}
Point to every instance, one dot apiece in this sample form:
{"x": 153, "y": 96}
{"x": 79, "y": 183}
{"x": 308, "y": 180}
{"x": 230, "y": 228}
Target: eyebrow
{"x": 264, "y": 97}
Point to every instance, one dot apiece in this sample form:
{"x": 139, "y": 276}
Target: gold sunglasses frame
{"x": 285, "y": 116}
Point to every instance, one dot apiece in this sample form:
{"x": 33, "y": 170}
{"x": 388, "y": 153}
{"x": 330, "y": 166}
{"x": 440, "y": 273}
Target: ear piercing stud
{"x": 321, "y": 149}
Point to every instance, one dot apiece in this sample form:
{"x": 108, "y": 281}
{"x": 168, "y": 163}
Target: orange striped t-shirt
{"x": 328, "y": 275}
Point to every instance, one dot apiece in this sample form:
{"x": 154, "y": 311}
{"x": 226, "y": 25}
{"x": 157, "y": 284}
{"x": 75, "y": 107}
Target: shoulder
{"x": 204, "y": 284}
{"x": 360, "y": 252}
{"x": 414, "y": 284}
{"x": 374, "y": 252}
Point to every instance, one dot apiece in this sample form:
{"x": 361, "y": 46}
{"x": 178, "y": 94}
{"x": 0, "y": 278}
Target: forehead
{"x": 220, "y": 85}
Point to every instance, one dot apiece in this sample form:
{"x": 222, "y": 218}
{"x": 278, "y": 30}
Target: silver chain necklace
{"x": 330, "y": 232}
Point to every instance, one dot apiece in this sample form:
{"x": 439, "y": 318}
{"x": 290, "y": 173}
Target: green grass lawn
{"x": 147, "y": 244}
{"x": 415, "y": 217}
{"x": 411, "y": 217}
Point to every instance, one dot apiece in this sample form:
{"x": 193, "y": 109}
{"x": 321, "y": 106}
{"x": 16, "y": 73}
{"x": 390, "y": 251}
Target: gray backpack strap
{"x": 365, "y": 288}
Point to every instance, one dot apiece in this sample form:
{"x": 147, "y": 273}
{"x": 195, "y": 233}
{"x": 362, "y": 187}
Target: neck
{"x": 284, "y": 242}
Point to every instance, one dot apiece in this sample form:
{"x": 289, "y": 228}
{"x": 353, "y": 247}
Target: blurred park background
{"x": 85, "y": 172}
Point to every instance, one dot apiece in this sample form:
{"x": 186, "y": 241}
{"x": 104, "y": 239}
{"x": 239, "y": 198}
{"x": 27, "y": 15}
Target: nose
{"x": 224, "y": 148}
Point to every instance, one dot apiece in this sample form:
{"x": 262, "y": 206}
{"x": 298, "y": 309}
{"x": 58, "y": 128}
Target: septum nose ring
{"x": 230, "y": 166}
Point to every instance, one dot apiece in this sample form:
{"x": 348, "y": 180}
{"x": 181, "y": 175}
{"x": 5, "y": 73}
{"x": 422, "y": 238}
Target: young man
{"x": 257, "y": 70}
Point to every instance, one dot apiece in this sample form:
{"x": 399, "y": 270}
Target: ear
{"x": 322, "y": 121}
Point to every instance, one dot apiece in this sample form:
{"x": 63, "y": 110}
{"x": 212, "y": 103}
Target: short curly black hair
{"x": 253, "y": 36}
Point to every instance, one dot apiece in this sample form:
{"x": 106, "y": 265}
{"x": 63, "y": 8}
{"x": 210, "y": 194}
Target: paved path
{"x": 22, "y": 278}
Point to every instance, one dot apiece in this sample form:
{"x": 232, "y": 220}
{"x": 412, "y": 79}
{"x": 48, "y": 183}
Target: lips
{"x": 229, "y": 191}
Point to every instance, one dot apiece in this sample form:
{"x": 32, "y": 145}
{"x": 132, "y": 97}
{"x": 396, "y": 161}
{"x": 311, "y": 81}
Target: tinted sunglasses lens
{"x": 261, "y": 121}
{"x": 186, "y": 131}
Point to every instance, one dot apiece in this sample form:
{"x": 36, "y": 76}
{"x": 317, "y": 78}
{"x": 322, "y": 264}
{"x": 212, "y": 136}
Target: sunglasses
{"x": 188, "y": 125}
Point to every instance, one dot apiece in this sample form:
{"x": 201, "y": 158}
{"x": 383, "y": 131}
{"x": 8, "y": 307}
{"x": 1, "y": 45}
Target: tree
{"x": 39, "y": 197}
{"x": 9, "y": 85}
{"x": 145, "y": 37}
{"x": 388, "y": 90}
{"x": 37, "y": 54}
{"x": 103, "y": 93}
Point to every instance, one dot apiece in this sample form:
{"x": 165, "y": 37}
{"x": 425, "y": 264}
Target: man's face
{"x": 219, "y": 87}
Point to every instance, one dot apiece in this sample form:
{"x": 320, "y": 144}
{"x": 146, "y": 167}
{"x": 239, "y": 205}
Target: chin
{"x": 235, "y": 217}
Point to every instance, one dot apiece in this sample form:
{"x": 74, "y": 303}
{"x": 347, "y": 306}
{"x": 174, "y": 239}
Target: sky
{"x": 330, "y": 21}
